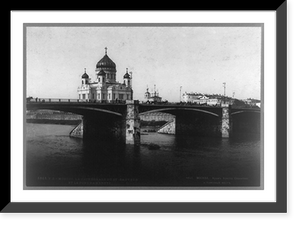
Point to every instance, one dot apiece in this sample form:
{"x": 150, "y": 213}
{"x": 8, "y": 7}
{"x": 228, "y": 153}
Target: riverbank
{"x": 54, "y": 121}
{"x": 52, "y": 117}
{"x": 148, "y": 125}
{"x": 63, "y": 118}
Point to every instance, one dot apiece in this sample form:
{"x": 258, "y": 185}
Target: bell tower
{"x": 127, "y": 79}
{"x": 84, "y": 78}
{"x": 147, "y": 94}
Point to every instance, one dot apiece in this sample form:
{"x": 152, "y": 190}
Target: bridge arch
{"x": 99, "y": 110}
{"x": 179, "y": 109}
{"x": 80, "y": 110}
{"x": 191, "y": 121}
{"x": 240, "y": 112}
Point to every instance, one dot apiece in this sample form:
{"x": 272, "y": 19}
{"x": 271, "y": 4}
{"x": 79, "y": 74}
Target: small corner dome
{"x": 126, "y": 75}
{"x": 85, "y": 75}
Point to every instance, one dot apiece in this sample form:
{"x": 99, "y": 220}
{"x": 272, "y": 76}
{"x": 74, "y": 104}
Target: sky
{"x": 198, "y": 59}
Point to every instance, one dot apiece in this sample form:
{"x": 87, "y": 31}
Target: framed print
{"x": 153, "y": 114}
{"x": 126, "y": 135}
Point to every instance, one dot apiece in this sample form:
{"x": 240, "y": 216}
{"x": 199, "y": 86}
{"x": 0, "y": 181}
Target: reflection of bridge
{"x": 122, "y": 121}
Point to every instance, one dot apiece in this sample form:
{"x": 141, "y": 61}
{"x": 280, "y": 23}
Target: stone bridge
{"x": 121, "y": 121}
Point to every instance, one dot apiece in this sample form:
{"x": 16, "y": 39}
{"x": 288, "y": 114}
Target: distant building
{"x": 152, "y": 97}
{"x": 194, "y": 98}
{"x": 199, "y": 98}
{"x": 252, "y": 102}
{"x": 105, "y": 87}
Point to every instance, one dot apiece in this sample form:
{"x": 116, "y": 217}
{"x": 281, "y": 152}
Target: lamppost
{"x": 224, "y": 85}
{"x": 180, "y": 94}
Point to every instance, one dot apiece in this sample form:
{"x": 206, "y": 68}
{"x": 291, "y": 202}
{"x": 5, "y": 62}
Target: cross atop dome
{"x": 105, "y": 50}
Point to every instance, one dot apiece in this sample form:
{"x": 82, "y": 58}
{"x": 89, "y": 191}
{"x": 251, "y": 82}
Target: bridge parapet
{"x": 65, "y": 100}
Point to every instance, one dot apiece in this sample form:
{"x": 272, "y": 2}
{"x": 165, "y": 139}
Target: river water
{"x": 54, "y": 159}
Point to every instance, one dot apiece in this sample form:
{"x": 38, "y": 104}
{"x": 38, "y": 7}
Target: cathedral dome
{"x": 106, "y": 63}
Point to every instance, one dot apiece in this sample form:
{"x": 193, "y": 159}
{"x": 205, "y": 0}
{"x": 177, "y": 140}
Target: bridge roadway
{"x": 124, "y": 116}
{"x": 84, "y": 107}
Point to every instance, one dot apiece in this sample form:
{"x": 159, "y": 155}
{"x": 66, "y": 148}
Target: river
{"x": 53, "y": 159}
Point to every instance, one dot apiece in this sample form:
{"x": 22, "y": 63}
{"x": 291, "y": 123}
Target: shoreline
{"x": 53, "y": 121}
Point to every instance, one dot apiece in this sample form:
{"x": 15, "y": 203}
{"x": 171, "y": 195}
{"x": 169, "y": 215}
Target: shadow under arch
{"x": 245, "y": 125}
{"x": 170, "y": 110}
{"x": 193, "y": 121}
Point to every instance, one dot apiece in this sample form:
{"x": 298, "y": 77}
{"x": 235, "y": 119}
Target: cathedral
{"x": 105, "y": 88}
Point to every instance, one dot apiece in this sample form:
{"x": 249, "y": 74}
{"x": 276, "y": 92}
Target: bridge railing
{"x": 190, "y": 104}
{"x": 180, "y": 103}
{"x": 64, "y": 100}
{"x": 43, "y": 100}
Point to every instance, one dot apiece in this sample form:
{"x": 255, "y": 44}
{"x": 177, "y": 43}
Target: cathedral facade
{"x": 105, "y": 88}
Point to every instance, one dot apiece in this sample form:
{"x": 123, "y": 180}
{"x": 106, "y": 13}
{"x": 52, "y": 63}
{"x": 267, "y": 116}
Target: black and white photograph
{"x": 143, "y": 106}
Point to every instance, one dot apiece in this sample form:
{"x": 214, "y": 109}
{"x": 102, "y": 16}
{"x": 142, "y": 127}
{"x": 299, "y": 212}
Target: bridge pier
{"x": 132, "y": 127}
{"x": 225, "y": 121}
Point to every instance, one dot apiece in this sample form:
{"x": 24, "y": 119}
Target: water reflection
{"x": 160, "y": 160}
